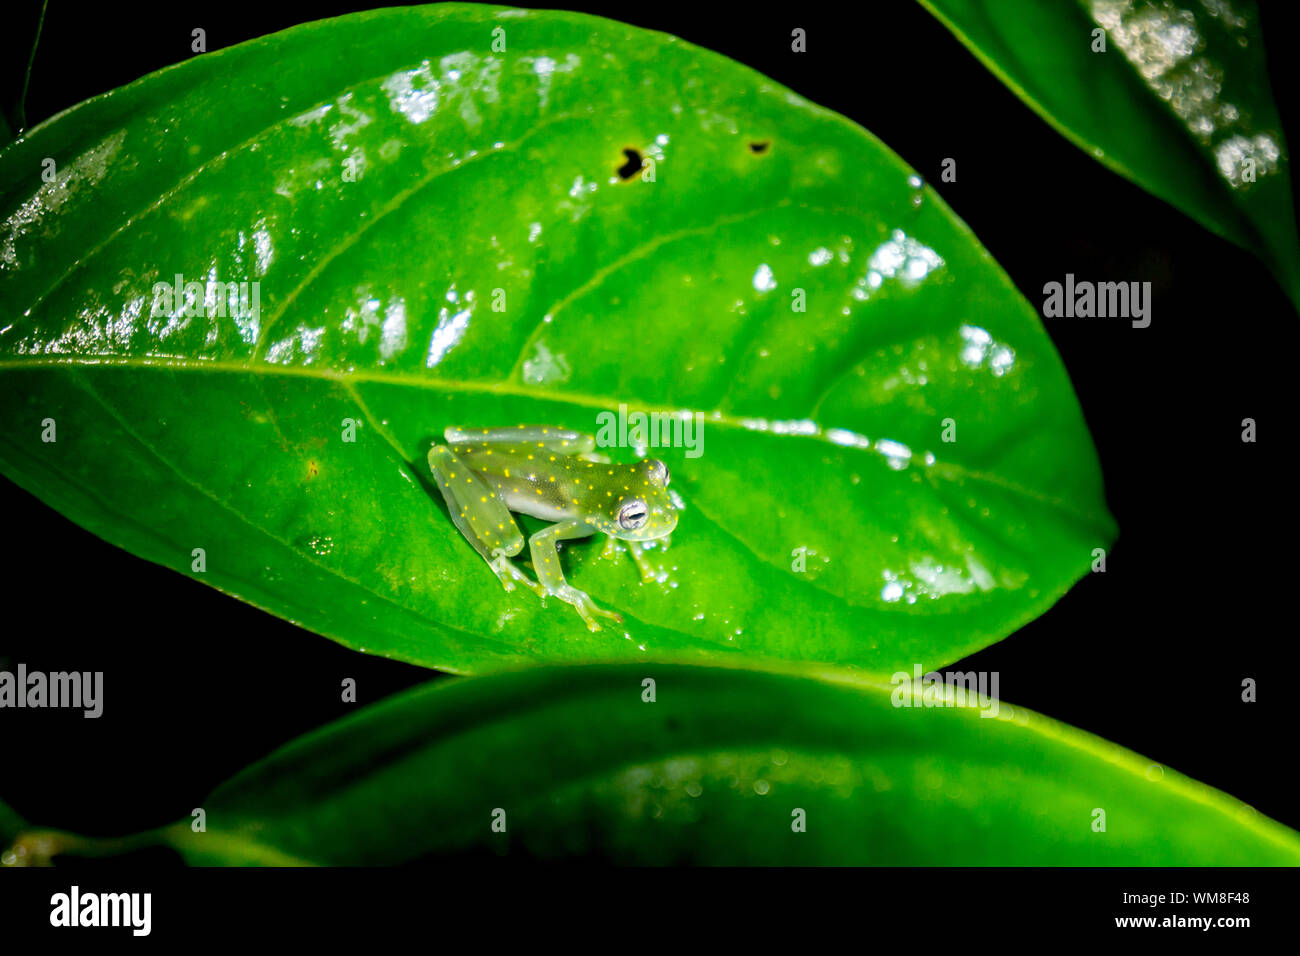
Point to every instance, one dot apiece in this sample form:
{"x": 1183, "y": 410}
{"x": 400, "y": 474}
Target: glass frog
{"x": 553, "y": 474}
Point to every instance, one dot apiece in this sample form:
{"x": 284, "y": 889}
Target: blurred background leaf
{"x": 21, "y": 38}
{"x": 715, "y": 770}
{"x": 1179, "y": 103}
{"x": 10, "y": 825}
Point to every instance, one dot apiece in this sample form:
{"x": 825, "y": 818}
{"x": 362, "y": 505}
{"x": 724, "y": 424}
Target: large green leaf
{"x": 490, "y": 175}
{"x": 1177, "y": 103}
{"x": 713, "y": 772}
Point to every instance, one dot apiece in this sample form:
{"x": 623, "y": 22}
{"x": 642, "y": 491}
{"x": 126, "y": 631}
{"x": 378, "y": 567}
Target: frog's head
{"x": 646, "y": 510}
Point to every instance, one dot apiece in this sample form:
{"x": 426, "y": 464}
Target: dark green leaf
{"x": 17, "y": 57}
{"x": 11, "y": 824}
{"x": 713, "y": 772}
{"x": 487, "y": 177}
{"x": 1177, "y": 103}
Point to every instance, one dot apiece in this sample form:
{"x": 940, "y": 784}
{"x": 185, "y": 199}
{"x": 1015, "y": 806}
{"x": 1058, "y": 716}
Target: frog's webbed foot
{"x": 509, "y": 575}
{"x": 585, "y": 606}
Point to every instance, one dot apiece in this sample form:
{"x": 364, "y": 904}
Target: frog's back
{"x": 530, "y": 478}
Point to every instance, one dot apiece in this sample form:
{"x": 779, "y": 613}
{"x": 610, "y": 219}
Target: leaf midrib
{"x": 715, "y": 418}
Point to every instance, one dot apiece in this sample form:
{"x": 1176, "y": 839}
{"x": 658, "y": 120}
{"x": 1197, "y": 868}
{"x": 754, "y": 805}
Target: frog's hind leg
{"x": 562, "y": 441}
{"x": 482, "y": 517}
{"x": 546, "y": 562}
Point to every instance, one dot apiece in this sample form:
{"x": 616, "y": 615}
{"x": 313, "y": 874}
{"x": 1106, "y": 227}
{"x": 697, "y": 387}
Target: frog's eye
{"x": 632, "y": 515}
{"x": 657, "y": 467}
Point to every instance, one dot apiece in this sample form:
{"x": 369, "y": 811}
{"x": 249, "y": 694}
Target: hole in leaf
{"x": 759, "y": 146}
{"x": 632, "y": 166}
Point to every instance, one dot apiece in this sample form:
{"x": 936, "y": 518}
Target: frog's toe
{"x": 587, "y": 612}
{"x": 612, "y": 615}
{"x": 509, "y": 575}
{"x": 587, "y": 608}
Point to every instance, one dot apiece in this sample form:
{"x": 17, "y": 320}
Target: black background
{"x": 1150, "y": 654}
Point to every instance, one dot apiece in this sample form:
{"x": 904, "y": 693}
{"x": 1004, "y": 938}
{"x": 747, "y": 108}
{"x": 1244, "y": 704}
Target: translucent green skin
{"x": 550, "y": 473}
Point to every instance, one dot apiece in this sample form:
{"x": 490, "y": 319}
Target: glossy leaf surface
{"x": 1179, "y": 103}
{"x": 441, "y": 235}
{"x": 577, "y": 764}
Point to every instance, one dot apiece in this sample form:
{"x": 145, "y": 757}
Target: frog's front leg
{"x": 481, "y": 516}
{"x": 546, "y": 562}
{"x": 638, "y": 553}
